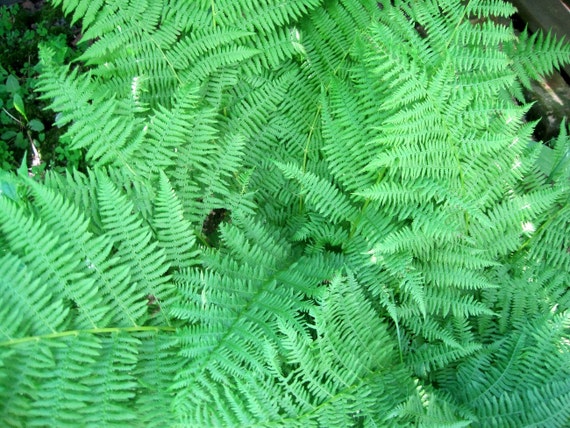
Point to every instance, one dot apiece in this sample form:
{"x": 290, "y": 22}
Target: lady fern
{"x": 392, "y": 251}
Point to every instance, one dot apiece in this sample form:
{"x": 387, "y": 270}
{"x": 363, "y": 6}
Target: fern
{"x": 30, "y": 307}
{"x": 249, "y": 303}
{"x": 304, "y": 213}
{"x": 173, "y": 232}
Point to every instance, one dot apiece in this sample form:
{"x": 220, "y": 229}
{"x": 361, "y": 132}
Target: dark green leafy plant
{"x": 302, "y": 213}
{"x": 24, "y": 121}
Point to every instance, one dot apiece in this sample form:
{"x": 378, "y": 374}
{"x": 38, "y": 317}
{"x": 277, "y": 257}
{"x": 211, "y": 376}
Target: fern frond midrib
{"x": 94, "y": 331}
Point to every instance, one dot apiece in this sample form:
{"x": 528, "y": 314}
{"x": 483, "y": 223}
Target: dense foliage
{"x": 25, "y": 123}
{"x": 301, "y": 213}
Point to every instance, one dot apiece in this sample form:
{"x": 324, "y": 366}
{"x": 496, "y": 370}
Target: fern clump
{"x": 304, "y": 213}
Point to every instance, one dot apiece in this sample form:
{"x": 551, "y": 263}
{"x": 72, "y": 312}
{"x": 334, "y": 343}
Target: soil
{"x": 29, "y": 5}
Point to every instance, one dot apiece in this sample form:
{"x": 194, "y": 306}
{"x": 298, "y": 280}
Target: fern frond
{"x": 112, "y": 387}
{"x": 233, "y": 331}
{"x": 173, "y": 232}
{"x": 537, "y": 55}
{"x": 430, "y": 407}
{"x": 156, "y": 368}
{"x": 263, "y": 16}
{"x": 80, "y": 190}
{"x": 347, "y": 363}
{"x": 348, "y": 141}
{"x": 198, "y": 44}
{"x": 84, "y": 10}
{"x": 132, "y": 240}
{"x": 488, "y": 8}
{"x": 490, "y": 381}
{"x": 145, "y": 14}
{"x": 90, "y": 125}
{"x": 30, "y": 308}
{"x": 320, "y": 194}
{"x": 52, "y": 261}
{"x": 518, "y": 213}
{"x": 550, "y": 243}
{"x": 329, "y": 34}
{"x": 94, "y": 252}
{"x": 72, "y": 370}
{"x": 166, "y": 132}
{"x": 227, "y": 159}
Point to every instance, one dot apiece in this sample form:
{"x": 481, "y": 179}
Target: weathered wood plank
{"x": 551, "y": 98}
{"x": 545, "y": 14}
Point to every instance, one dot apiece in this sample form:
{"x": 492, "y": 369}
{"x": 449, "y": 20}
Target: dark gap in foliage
{"x": 210, "y": 226}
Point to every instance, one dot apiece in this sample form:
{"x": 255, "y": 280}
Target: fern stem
{"x": 456, "y": 28}
{"x": 105, "y": 330}
{"x": 213, "y": 9}
{"x": 306, "y": 151}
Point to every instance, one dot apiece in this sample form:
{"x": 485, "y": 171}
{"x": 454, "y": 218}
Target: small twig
{"x": 13, "y": 117}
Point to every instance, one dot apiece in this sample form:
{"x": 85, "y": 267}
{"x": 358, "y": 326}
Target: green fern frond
{"x": 233, "y": 330}
{"x": 394, "y": 194}
{"x": 494, "y": 390}
{"x": 30, "y": 308}
{"x": 429, "y": 407}
{"x": 80, "y": 190}
{"x": 537, "y": 55}
{"x": 488, "y": 8}
{"x": 111, "y": 384}
{"x": 52, "y": 260}
{"x": 173, "y": 232}
{"x": 84, "y": 10}
{"x": 254, "y": 109}
{"x": 97, "y": 262}
{"x": 166, "y": 132}
{"x": 132, "y": 240}
{"x": 518, "y": 213}
{"x": 71, "y": 370}
{"x": 227, "y": 159}
{"x": 90, "y": 125}
{"x": 329, "y": 34}
{"x": 530, "y": 288}
{"x": 348, "y": 141}
{"x": 545, "y": 243}
{"x": 156, "y": 368}
{"x": 320, "y": 194}
{"x": 113, "y": 16}
{"x": 200, "y": 43}
{"x": 347, "y": 363}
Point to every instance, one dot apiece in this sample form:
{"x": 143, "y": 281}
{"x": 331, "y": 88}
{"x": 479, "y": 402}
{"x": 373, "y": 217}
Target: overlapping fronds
{"x": 95, "y": 116}
{"x": 74, "y": 306}
{"x": 235, "y": 311}
{"x": 304, "y": 213}
{"x": 491, "y": 380}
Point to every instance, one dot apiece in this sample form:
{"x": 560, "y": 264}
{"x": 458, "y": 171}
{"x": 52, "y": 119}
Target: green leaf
{"x": 23, "y": 168}
{"x": 36, "y": 125}
{"x": 20, "y": 141}
{"x": 9, "y": 189}
{"x": 8, "y": 135}
{"x": 12, "y": 84}
{"x": 19, "y": 105}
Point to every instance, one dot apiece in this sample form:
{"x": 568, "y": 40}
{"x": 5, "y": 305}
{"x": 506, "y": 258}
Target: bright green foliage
{"x": 301, "y": 213}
